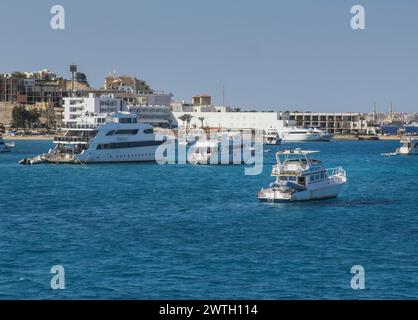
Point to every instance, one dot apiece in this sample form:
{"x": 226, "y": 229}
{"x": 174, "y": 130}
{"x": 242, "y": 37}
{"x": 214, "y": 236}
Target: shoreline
{"x": 336, "y": 138}
{"x": 365, "y": 138}
{"x": 17, "y": 138}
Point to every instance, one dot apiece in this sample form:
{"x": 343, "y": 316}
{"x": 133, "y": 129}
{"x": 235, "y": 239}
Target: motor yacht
{"x": 299, "y": 177}
{"x": 409, "y": 146}
{"x": 117, "y": 137}
{"x": 271, "y": 137}
{"x": 5, "y": 146}
{"x": 295, "y": 134}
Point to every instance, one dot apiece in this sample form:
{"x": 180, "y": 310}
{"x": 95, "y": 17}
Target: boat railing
{"x": 337, "y": 173}
{"x": 71, "y": 139}
{"x": 81, "y": 126}
{"x": 281, "y": 169}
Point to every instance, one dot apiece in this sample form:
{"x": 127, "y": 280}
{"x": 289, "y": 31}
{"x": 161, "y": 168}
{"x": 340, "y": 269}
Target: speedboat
{"x": 5, "y": 146}
{"x": 301, "y": 178}
{"x": 271, "y": 137}
{"x": 409, "y": 146}
{"x": 323, "y": 134}
{"x": 291, "y": 134}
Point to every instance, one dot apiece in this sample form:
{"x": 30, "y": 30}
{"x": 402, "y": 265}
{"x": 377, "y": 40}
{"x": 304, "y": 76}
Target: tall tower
{"x": 73, "y": 70}
{"x": 391, "y": 111}
{"x": 374, "y": 112}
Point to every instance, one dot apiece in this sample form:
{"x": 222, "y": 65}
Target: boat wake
{"x": 388, "y": 154}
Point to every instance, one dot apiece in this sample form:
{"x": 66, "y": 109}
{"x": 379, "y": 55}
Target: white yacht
{"x": 323, "y": 134}
{"x": 118, "y": 137}
{"x": 301, "y": 178}
{"x": 216, "y": 151}
{"x": 299, "y": 134}
{"x": 409, "y": 146}
{"x": 271, "y": 137}
{"x": 5, "y": 146}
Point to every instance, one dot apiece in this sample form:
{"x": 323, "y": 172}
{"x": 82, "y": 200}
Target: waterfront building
{"x": 156, "y": 115}
{"x": 156, "y": 98}
{"x": 15, "y": 88}
{"x": 75, "y": 107}
{"x": 43, "y": 86}
{"x": 333, "y": 122}
{"x": 202, "y": 100}
{"x": 235, "y": 120}
{"x": 127, "y": 84}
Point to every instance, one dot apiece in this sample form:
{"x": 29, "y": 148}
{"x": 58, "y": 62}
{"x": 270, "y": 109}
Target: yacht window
{"x": 147, "y": 131}
{"x": 111, "y": 132}
{"x": 127, "y": 131}
{"x": 124, "y": 120}
{"x": 132, "y": 144}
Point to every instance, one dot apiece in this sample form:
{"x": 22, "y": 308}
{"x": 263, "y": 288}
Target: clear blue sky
{"x": 269, "y": 54}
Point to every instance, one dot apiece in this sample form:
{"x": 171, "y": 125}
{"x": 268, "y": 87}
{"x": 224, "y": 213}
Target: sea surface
{"x": 146, "y": 231}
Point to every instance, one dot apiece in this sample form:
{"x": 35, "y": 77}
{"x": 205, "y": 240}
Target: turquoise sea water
{"x": 145, "y": 231}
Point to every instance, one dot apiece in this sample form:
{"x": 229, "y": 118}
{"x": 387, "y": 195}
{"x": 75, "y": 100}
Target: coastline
{"x": 365, "y": 138}
{"x": 337, "y": 137}
{"x": 36, "y": 137}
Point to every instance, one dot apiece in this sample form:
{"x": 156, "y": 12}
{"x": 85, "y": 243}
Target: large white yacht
{"x": 225, "y": 149}
{"x": 117, "y": 137}
{"x": 5, "y": 146}
{"x": 323, "y": 134}
{"x": 301, "y": 178}
{"x": 409, "y": 146}
{"x": 271, "y": 137}
{"x": 299, "y": 134}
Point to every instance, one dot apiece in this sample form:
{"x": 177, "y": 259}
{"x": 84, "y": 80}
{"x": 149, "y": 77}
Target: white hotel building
{"x": 211, "y": 116}
{"x": 78, "y": 108}
{"x": 223, "y": 117}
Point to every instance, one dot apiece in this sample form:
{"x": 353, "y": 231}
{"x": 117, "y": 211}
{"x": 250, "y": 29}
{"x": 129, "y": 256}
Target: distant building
{"x": 31, "y": 91}
{"x": 333, "y": 122}
{"x": 158, "y": 116}
{"x": 235, "y": 120}
{"x": 178, "y": 106}
{"x": 225, "y": 118}
{"x": 127, "y": 84}
{"x": 202, "y": 100}
{"x": 154, "y": 99}
{"x": 42, "y": 86}
{"x": 76, "y": 107}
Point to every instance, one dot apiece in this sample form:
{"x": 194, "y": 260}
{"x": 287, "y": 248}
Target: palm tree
{"x": 201, "y": 120}
{"x": 186, "y": 118}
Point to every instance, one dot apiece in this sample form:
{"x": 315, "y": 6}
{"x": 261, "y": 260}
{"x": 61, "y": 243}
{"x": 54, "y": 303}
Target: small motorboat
{"x": 5, "y": 146}
{"x": 301, "y": 178}
{"x": 409, "y": 146}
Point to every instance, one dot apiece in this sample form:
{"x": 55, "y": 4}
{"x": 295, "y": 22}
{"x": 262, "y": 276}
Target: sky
{"x": 266, "y": 54}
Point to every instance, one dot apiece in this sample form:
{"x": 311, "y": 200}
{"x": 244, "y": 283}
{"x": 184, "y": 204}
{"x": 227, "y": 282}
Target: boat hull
{"x": 406, "y": 152}
{"x": 141, "y": 154}
{"x": 323, "y": 191}
{"x": 301, "y": 137}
